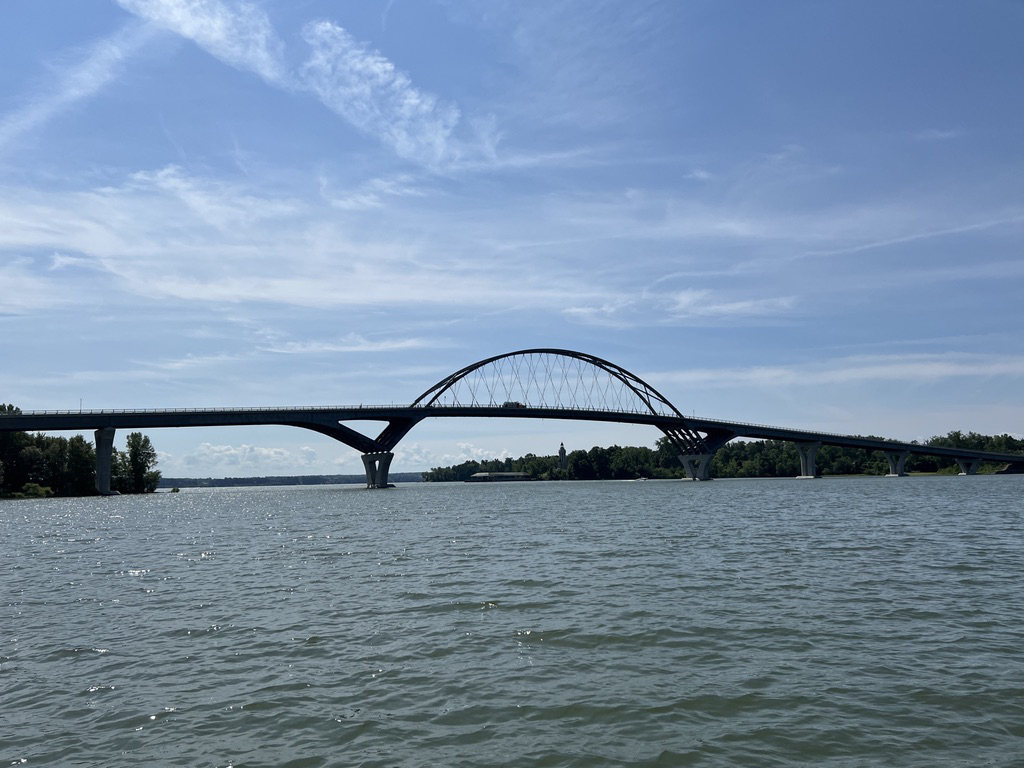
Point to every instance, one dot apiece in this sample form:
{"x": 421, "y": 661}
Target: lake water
{"x": 836, "y": 622}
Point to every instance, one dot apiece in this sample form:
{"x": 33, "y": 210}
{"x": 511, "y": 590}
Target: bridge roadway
{"x": 377, "y": 452}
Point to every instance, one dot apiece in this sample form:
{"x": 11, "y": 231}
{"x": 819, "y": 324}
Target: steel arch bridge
{"x": 540, "y": 383}
{"x": 560, "y": 380}
{"x": 543, "y": 383}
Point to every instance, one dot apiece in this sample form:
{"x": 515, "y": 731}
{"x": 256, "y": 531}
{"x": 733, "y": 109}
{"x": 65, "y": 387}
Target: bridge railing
{"x": 308, "y": 408}
{"x": 260, "y": 409}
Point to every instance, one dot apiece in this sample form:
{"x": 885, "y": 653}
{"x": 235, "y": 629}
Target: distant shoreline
{"x": 166, "y": 483}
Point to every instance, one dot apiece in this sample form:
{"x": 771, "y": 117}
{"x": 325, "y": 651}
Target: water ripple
{"x": 770, "y": 623}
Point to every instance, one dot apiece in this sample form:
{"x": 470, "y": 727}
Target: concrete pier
{"x": 698, "y": 466}
{"x": 897, "y": 461}
{"x": 377, "y": 466}
{"x": 968, "y": 466}
{"x": 808, "y": 457}
{"x": 104, "y": 459}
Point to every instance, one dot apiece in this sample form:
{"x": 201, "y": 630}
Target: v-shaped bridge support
{"x": 696, "y": 452}
{"x": 377, "y": 452}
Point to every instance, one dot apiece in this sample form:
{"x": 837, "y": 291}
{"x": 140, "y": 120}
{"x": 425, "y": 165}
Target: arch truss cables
{"x": 558, "y": 379}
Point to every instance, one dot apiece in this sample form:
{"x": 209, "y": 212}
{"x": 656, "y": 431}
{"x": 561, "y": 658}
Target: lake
{"x": 832, "y": 622}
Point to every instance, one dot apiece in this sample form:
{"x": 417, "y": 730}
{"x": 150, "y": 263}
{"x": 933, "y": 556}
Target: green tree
{"x": 453, "y": 474}
{"x": 141, "y": 457}
{"x": 120, "y": 479}
{"x": 81, "y": 467}
{"x": 132, "y": 470}
{"x": 6, "y": 443}
{"x": 11, "y": 446}
{"x": 33, "y": 463}
{"x": 631, "y": 462}
{"x": 55, "y": 458}
{"x": 600, "y": 460}
{"x": 579, "y": 466}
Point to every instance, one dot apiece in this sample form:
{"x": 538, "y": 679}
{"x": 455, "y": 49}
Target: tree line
{"x": 41, "y": 465}
{"x": 738, "y": 458}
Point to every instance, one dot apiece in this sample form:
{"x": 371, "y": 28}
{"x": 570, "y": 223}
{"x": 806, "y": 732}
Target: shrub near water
{"x": 34, "y": 491}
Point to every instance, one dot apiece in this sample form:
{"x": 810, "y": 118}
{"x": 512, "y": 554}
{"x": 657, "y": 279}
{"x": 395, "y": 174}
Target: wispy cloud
{"x": 356, "y": 82}
{"x": 219, "y": 204}
{"x": 617, "y": 313}
{"x": 86, "y": 74}
{"x": 371, "y": 194}
{"x": 349, "y": 77}
{"x": 384, "y": 15}
{"x": 688, "y": 305}
{"x": 192, "y": 362}
{"x": 927, "y": 234}
{"x": 60, "y": 261}
{"x": 239, "y": 34}
{"x": 170, "y": 235}
{"x": 365, "y": 89}
{"x": 352, "y": 342}
{"x": 693, "y": 306}
{"x": 937, "y": 134}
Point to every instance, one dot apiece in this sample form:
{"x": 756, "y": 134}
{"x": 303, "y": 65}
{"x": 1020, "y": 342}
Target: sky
{"x": 804, "y": 213}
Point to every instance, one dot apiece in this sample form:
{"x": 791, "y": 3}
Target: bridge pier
{"x": 697, "y": 466}
{"x": 377, "y": 466}
{"x": 968, "y": 466}
{"x": 897, "y": 461}
{"x": 104, "y": 459}
{"x": 808, "y": 456}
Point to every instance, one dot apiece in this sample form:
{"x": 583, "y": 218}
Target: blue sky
{"x": 801, "y": 213}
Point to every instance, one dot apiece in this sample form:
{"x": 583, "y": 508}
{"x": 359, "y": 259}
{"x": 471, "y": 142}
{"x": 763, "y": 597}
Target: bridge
{"x": 527, "y": 384}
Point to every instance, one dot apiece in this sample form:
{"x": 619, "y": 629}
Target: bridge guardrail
{"x": 257, "y": 409}
{"x": 303, "y": 408}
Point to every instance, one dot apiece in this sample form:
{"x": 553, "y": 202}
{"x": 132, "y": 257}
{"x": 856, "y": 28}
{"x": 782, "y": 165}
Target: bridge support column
{"x": 697, "y": 466}
{"x": 104, "y": 459}
{"x": 377, "y": 466}
{"x": 897, "y": 461}
{"x": 808, "y": 455}
{"x": 969, "y": 466}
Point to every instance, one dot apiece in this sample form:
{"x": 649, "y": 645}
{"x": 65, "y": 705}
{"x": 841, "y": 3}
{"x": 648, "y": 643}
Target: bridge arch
{"x": 547, "y": 378}
{"x": 561, "y": 379}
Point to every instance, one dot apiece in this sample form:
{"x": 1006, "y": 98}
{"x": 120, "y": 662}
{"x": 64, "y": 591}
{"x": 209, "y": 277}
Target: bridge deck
{"x": 316, "y": 417}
